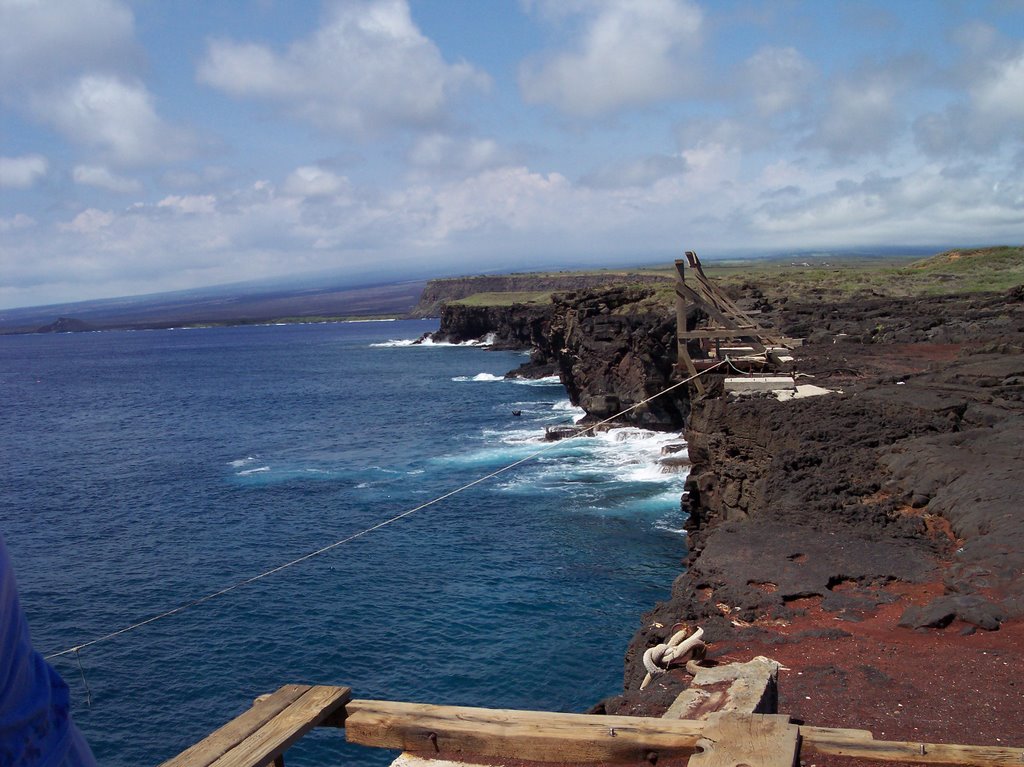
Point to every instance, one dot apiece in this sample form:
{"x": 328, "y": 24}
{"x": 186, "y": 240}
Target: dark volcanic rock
{"x": 609, "y": 350}
{"x": 918, "y": 463}
{"x": 517, "y": 326}
{"x": 613, "y": 356}
{"x": 940, "y": 612}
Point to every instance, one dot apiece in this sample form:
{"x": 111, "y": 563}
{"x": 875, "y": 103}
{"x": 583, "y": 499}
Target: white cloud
{"x": 437, "y": 151}
{"x": 1000, "y": 95}
{"x": 628, "y": 54}
{"x": 312, "y": 181}
{"x": 189, "y": 204}
{"x": 641, "y": 172}
{"x": 43, "y": 41}
{"x": 70, "y": 64}
{"x": 115, "y": 116}
{"x": 920, "y": 205}
{"x": 986, "y": 115}
{"x": 863, "y": 116}
{"x": 16, "y": 222}
{"x": 366, "y": 69}
{"x": 777, "y": 78}
{"x": 102, "y": 178}
{"x": 22, "y": 172}
{"x": 89, "y": 221}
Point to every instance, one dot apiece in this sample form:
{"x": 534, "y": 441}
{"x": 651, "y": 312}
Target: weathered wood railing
{"x": 261, "y": 735}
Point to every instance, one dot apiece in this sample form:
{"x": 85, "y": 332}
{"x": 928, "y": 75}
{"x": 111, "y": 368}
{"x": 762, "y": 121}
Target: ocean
{"x": 145, "y": 469}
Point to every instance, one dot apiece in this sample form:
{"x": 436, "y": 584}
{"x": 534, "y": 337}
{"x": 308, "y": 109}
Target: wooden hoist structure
{"x": 484, "y": 736}
{"x": 729, "y": 330}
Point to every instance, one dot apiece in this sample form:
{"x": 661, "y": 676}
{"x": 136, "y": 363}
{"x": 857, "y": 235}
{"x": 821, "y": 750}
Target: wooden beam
{"x": 716, "y": 314}
{"x": 744, "y": 333}
{"x": 454, "y": 732}
{"x": 682, "y": 353}
{"x": 262, "y": 734}
{"x": 762, "y": 740}
{"x": 861, "y": 744}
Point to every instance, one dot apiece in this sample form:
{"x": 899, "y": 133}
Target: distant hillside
{"x": 523, "y": 288}
{"x": 216, "y": 306}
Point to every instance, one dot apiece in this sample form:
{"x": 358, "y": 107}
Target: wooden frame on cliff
{"x": 261, "y": 735}
{"x": 726, "y": 321}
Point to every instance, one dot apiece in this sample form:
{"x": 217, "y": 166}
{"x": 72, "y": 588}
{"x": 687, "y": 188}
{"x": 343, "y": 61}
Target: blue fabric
{"x": 35, "y": 712}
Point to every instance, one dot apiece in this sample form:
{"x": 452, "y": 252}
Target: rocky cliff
{"x": 612, "y": 348}
{"x": 518, "y": 326}
{"x": 613, "y": 351}
{"x": 439, "y": 292}
{"x": 895, "y": 493}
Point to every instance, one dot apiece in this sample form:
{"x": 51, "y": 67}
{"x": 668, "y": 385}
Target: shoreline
{"x": 818, "y": 526}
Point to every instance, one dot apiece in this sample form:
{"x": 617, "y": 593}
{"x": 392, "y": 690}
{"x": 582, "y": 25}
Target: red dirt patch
{"x": 926, "y": 685}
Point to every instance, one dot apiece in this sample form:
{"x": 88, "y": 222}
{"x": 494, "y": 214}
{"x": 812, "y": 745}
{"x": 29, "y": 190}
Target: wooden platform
{"x": 261, "y": 735}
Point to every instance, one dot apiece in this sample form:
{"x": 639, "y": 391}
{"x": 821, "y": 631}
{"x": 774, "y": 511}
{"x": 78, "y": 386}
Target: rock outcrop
{"x": 909, "y": 476}
{"x": 518, "y": 326}
{"x": 613, "y": 353}
{"x": 611, "y": 347}
{"x": 441, "y": 292}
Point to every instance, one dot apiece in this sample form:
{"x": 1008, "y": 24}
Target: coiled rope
{"x": 76, "y": 649}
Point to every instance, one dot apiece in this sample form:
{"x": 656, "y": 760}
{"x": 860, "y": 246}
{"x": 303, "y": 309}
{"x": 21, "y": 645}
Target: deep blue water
{"x": 143, "y": 469}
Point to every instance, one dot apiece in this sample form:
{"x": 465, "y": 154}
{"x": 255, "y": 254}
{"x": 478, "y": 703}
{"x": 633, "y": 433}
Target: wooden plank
{"x": 455, "y": 732}
{"x": 742, "y": 333}
{"x": 859, "y": 743}
{"x": 219, "y": 742}
{"x": 762, "y": 740}
{"x": 713, "y": 311}
{"x": 278, "y": 734}
{"x": 682, "y": 353}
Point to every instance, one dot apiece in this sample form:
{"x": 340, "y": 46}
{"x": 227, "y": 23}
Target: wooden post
{"x": 763, "y": 740}
{"x": 682, "y": 354}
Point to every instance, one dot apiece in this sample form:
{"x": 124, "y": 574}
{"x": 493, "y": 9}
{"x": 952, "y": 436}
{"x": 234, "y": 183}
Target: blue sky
{"x": 151, "y": 146}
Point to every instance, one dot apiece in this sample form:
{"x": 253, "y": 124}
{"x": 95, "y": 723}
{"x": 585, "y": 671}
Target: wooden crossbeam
{"x": 261, "y": 735}
{"x": 741, "y": 333}
{"x": 456, "y": 731}
{"x": 861, "y": 744}
{"x": 715, "y": 303}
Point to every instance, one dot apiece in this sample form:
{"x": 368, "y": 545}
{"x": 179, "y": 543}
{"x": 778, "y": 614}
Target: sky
{"x": 151, "y": 146}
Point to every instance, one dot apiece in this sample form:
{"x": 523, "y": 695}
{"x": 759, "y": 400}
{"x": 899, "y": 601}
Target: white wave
{"x": 479, "y": 377}
{"x": 353, "y": 322}
{"x": 395, "y": 342}
{"x": 257, "y": 470}
{"x": 545, "y": 381}
{"x": 242, "y": 462}
{"x": 670, "y": 526}
{"x": 487, "y": 340}
{"x": 565, "y": 406}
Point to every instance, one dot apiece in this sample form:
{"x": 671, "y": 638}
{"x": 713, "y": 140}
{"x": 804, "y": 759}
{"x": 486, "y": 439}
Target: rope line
{"x": 252, "y": 579}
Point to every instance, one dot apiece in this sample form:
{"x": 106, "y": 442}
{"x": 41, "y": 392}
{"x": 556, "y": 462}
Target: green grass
{"x": 994, "y": 269}
{"x": 506, "y": 299}
{"x": 967, "y": 271}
